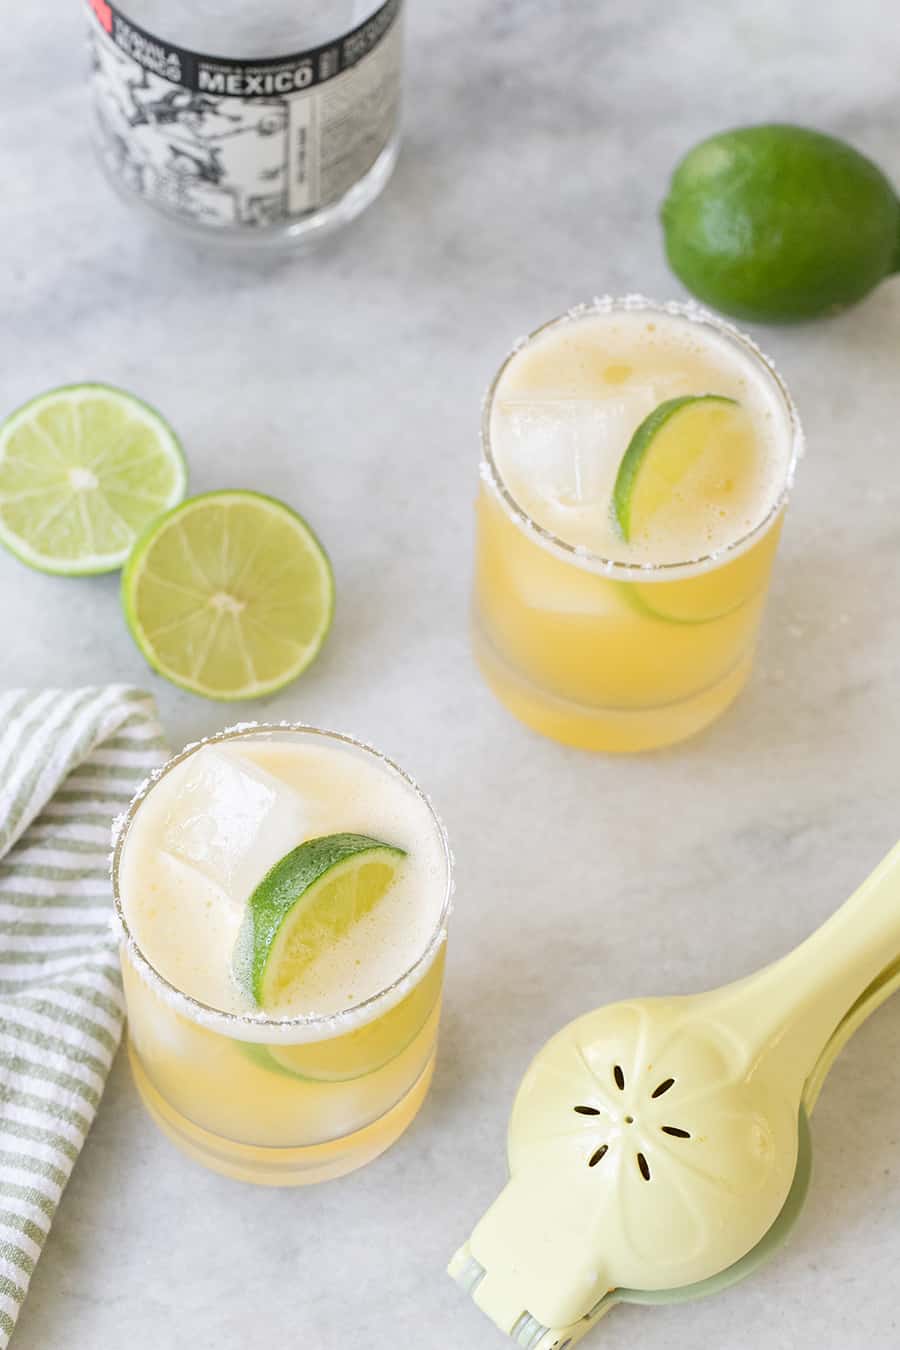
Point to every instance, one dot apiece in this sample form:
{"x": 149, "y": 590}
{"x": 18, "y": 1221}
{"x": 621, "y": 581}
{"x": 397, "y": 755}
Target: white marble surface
{"x": 540, "y": 136}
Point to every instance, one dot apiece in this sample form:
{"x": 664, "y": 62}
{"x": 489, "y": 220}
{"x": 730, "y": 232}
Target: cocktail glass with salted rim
{"x": 282, "y": 894}
{"x": 637, "y": 460}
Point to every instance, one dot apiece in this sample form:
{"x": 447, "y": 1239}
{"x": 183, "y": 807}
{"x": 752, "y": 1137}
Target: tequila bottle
{"x": 265, "y": 124}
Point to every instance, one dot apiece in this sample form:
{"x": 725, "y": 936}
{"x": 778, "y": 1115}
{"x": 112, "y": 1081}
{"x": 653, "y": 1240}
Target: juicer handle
{"x": 802, "y": 1000}
{"x": 879, "y": 991}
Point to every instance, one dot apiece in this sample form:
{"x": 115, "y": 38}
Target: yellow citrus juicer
{"x": 659, "y": 1149}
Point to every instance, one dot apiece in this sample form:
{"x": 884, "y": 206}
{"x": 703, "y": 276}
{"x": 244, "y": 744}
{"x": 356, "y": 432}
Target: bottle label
{"x": 243, "y": 144}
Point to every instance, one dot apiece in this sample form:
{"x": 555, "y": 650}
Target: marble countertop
{"x": 539, "y": 140}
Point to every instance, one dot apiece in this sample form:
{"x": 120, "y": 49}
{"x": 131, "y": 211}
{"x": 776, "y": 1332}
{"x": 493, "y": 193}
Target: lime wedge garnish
{"x": 304, "y": 904}
{"x": 697, "y": 600}
{"x": 230, "y": 595}
{"x": 689, "y": 449}
{"x": 83, "y": 470}
{"x": 366, "y": 1049}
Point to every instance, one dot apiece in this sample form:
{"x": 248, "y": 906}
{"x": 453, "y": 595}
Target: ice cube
{"x": 569, "y": 449}
{"x": 554, "y": 443}
{"x": 564, "y": 591}
{"x": 232, "y": 820}
{"x": 564, "y": 448}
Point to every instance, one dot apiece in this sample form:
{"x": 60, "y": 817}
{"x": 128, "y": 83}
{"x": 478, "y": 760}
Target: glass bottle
{"x": 258, "y": 124}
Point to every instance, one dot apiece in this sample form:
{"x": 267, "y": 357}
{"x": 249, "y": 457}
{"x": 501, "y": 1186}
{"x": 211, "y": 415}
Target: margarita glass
{"x": 587, "y": 639}
{"x": 282, "y": 1100}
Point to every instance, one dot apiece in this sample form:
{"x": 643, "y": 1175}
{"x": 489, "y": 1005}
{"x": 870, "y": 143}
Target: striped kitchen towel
{"x": 70, "y": 760}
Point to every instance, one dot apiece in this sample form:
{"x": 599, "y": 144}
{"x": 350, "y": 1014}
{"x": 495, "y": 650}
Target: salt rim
{"x": 583, "y": 558}
{"x": 254, "y": 1026}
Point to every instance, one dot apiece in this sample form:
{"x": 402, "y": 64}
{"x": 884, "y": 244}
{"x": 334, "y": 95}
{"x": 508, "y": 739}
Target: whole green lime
{"x": 780, "y": 223}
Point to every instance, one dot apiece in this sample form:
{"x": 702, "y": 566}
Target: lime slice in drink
{"x": 83, "y": 470}
{"x": 697, "y": 600}
{"x": 230, "y": 595}
{"x": 364, "y": 1050}
{"x": 304, "y": 904}
{"x": 689, "y": 455}
{"x": 689, "y": 450}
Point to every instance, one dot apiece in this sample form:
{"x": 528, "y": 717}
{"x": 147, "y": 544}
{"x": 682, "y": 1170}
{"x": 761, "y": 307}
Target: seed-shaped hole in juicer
{"x": 587, "y": 1110}
{"x": 675, "y": 1132}
{"x": 663, "y": 1087}
{"x": 644, "y": 1166}
{"x": 600, "y": 1153}
{"x": 619, "y": 1077}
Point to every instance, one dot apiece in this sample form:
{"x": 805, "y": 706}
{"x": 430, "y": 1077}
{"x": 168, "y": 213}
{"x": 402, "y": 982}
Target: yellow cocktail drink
{"x": 624, "y": 643}
{"x": 327, "y": 1081}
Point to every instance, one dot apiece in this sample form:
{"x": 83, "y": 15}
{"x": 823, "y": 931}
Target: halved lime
{"x": 304, "y": 904}
{"x": 83, "y": 470}
{"x": 230, "y": 595}
{"x": 692, "y": 448}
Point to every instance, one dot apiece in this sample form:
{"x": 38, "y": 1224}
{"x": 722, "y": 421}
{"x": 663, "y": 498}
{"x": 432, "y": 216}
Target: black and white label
{"x": 243, "y": 143}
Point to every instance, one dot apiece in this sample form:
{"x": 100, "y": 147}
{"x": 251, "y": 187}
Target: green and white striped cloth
{"x": 70, "y": 761}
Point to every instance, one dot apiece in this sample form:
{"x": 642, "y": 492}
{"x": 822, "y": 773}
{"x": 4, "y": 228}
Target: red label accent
{"x": 103, "y": 13}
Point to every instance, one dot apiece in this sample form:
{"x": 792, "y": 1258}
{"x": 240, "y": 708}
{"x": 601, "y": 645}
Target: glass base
{"x": 614, "y": 730}
{"x": 299, "y": 233}
{"x": 281, "y": 1166}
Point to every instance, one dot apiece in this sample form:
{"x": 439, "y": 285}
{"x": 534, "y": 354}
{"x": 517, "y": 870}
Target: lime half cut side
{"x": 230, "y": 595}
{"x": 83, "y": 470}
{"x": 304, "y": 905}
{"x": 689, "y": 450}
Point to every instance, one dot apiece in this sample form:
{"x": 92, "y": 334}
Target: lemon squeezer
{"x": 659, "y": 1148}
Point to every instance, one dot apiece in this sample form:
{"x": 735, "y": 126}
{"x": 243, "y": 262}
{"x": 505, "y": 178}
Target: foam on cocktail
{"x": 213, "y": 826}
{"x": 568, "y": 401}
